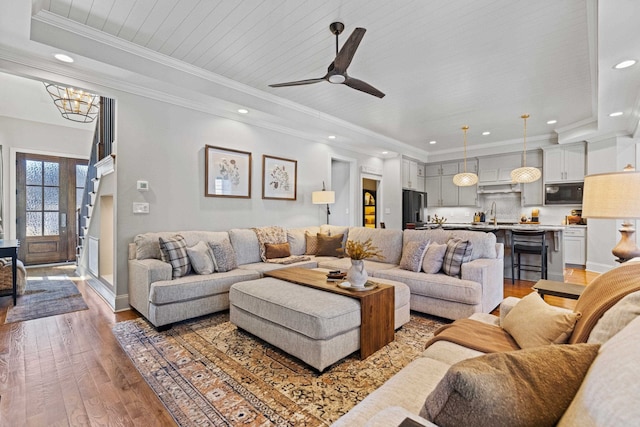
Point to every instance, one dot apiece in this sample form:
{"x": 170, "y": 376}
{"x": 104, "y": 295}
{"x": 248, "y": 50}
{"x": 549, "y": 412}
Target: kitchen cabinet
{"x": 440, "y": 189}
{"x": 575, "y": 245}
{"x": 412, "y": 175}
{"x": 566, "y": 163}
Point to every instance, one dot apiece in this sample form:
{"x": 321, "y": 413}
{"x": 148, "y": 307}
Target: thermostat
{"x": 142, "y": 185}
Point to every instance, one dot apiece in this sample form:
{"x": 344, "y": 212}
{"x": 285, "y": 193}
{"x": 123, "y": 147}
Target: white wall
{"x": 340, "y": 179}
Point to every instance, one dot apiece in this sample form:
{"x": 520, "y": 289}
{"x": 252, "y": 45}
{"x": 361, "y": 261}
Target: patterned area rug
{"x": 47, "y": 297}
{"x": 209, "y": 373}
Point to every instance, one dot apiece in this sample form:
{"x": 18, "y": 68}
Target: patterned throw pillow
{"x": 271, "y": 234}
{"x": 201, "y": 258}
{"x": 458, "y": 252}
{"x": 224, "y": 257}
{"x": 312, "y": 243}
{"x": 277, "y": 250}
{"x": 433, "y": 258}
{"x": 412, "y": 255}
{"x": 174, "y": 251}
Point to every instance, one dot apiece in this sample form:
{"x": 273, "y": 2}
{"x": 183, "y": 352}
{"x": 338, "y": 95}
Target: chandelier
{"x": 74, "y": 104}
{"x": 465, "y": 179}
{"x": 525, "y": 174}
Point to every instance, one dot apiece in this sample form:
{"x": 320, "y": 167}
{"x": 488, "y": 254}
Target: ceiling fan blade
{"x": 344, "y": 57}
{"x": 363, "y": 86}
{"x": 298, "y": 83}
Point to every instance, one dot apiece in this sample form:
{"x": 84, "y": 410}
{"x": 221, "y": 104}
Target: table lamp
{"x": 324, "y": 197}
{"x": 615, "y": 195}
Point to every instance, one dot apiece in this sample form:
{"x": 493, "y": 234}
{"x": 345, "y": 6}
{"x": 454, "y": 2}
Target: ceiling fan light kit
{"x": 337, "y": 71}
{"x": 465, "y": 179}
{"x": 525, "y": 174}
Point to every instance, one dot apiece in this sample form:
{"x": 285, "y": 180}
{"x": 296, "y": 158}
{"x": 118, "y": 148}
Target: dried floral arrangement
{"x": 439, "y": 220}
{"x": 362, "y": 250}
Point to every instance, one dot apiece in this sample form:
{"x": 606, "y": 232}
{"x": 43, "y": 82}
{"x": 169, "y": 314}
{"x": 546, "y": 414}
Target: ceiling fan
{"x": 337, "y": 71}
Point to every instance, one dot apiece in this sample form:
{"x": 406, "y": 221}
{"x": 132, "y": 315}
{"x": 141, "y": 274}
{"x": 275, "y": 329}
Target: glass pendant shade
{"x": 525, "y": 174}
{"x": 465, "y": 179}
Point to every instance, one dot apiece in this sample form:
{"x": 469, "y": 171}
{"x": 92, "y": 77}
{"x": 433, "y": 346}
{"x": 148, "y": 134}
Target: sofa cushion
{"x": 276, "y": 250}
{"x": 297, "y": 239}
{"x": 201, "y": 258}
{"x": 432, "y": 262}
{"x": 458, "y": 252}
{"x": 271, "y": 234}
{"x": 529, "y": 387}
{"x": 148, "y": 244}
{"x": 311, "y": 241}
{"x": 616, "y": 318}
{"x": 224, "y": 257}
{"x": 533, "y": 322}
{"x": 174, "y": 251}
{"x": 388, "y": 241}
{"x": 330, "y": 245}
{"x": 245, "y": 244}
{"x": 332, "y": 230}
{"x": 609, "y": 393}
{"x": 484, "y": 244}
{"x": 412, "y": 255}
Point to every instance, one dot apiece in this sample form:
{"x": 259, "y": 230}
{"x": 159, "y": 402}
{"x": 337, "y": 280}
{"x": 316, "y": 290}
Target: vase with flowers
{"x": 359, "y": 251}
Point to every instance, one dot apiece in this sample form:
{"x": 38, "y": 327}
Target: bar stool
{"x": 530, "y": 242}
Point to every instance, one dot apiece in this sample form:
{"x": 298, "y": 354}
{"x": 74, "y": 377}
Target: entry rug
{"x": 209, "y": 373}
{"x": 46, "y": 297}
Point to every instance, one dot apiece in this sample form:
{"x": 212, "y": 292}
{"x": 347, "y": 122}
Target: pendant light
{"x": 465, "y": 179}
{"x": 525, "y": 174}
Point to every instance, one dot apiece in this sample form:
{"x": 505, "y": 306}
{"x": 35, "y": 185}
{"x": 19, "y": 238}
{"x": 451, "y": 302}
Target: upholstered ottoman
{"x": 315, "y": 326}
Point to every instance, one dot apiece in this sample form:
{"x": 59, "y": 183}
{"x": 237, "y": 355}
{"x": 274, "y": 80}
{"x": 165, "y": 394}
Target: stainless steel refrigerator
{"x": 413, "y": 204}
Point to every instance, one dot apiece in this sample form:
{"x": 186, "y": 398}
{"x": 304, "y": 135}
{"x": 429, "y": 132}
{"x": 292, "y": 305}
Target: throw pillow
{"x": 277, "y": 250}
{"x": 271, "y": 234}
{"x": 529, "y": 387}
{"x": 174, "y": 251}
{"x": 616, "y": 318}
{"x": 330, "y": 245}
{"x": 458, "y": 252}
{"x": 224, "y": 256}
{"x": 312, "y": 243}
{"x": 201, "y": 258}
{"x": 532, "y": 322}
{"x": 433, "y": 258}
{"x": 412, "y": 255}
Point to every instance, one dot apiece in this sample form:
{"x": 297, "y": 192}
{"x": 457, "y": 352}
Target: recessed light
{"x": 385, "y": 152}
{"x": 243, "y": 111}
{"x": 552, "y": 122}
{"x": 625, "y": 64}
{"x": 331, "y": 137}
{"x": 616, "y": 114}
{"x": 432, "y": 142}
{"x": 62, "y": 57}
{"x": 485, "y": 133}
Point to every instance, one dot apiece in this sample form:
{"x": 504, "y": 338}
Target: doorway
{"x": 48, "y": 195}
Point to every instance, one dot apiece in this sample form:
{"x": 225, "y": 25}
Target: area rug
{"x": 209, "y": 373}
{"x": 46, "y": 297}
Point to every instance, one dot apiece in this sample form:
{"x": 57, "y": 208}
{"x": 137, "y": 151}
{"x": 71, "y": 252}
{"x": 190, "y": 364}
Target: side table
{"x": 558, "y": 289}
{"x": 9, "y": 248}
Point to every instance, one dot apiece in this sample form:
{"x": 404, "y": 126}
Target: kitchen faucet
{"x": 494, "y": 212}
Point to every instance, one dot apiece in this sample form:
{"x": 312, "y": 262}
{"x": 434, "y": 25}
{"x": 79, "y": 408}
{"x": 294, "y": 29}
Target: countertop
{"x": 504, "y": 226}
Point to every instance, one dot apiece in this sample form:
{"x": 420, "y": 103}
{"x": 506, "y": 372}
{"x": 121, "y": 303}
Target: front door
{"x": 46, "y": 207}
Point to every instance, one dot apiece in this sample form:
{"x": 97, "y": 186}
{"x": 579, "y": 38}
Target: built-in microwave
{"x": 563, "y": 194}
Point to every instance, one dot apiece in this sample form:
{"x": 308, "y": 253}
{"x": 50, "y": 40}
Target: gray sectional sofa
{"x": 163, "y": 300}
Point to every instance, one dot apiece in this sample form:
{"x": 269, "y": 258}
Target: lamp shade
{"x": 614, "y": 195}
{"x": 465, "y": 179}
{"x": 525, "y": 175}
{"x": 323, "y": 197}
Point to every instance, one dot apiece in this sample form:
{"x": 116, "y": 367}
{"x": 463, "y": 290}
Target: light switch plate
{"x": 142, "y": 185}
{"x": 141, "y": 208}
{"x": 387, "y": 210}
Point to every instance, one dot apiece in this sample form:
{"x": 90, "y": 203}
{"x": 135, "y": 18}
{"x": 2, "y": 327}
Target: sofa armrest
{"x": 142, "y": 273}
{"x": 394, "y": 416}
{"x": 489, "y": 273}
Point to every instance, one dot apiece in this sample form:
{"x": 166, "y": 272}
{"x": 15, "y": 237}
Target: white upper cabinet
{"x": 441, "y": 191}
{"x": 565, "y": 163}
{"x": 412, "y": 175}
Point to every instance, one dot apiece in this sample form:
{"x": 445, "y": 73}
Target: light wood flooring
{"x": 69, "y": 370}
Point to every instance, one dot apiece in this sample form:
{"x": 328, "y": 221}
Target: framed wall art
{"x": 279, "y": 178}
{"x": 227, "y": 172}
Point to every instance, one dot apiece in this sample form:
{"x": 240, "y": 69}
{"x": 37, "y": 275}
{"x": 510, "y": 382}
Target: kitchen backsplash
{"x": 508, "y": 210}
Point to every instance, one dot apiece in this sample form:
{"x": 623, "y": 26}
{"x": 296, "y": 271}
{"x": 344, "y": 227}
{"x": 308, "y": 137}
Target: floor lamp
{"x": 615, "y": 195}
{"x": 324, "y": 197}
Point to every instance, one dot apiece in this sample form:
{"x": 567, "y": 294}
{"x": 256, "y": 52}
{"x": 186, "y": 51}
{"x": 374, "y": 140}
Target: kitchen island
{"x": 554, "y": 236}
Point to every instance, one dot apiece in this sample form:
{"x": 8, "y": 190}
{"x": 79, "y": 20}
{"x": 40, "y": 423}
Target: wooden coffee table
{"x": 377, "y": 306}
{"x": 558, "y": 289}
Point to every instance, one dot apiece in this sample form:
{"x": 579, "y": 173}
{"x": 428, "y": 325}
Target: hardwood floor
{"x": 69, "y": 370}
